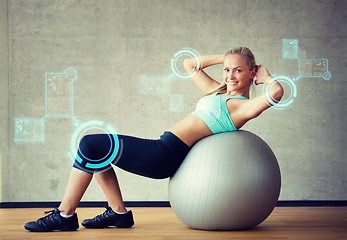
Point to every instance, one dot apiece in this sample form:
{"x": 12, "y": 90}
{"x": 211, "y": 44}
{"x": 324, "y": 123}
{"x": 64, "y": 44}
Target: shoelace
{"x": 49, "y": 216}
{"x": 104, "y": 214}
{"x": 50, "y": 211}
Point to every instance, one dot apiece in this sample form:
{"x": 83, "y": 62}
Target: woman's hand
{"x": 252, "y": 108}
{"x": 201, "y": 79}
{"x": 275, "y": 90}
{"x": 262, "y": 74}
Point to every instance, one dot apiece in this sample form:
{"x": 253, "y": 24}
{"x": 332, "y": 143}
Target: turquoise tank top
{"x": 212, "y": 109}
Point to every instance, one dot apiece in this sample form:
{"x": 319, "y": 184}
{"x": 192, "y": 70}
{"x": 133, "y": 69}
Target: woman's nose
{"x": 231, "y": 75}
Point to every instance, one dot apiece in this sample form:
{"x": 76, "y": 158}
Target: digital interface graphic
{"x": 162, "y": 84}
{"x": 59, "y": 93}
{"x": 288, "y": 86}
{"x": 307, "y": 68}
{"x": 29, "y": 130}
{"x": 155, "y": 84}
{"x": 59, "y": 101}
{"x": 177, "y": 63}
{"x": 94, "y": 165}
{"x": 290, "y": 49}
{"x": 314, "y": 68}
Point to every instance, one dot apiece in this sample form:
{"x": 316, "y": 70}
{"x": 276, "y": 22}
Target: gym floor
{"x": 328, "y": 223}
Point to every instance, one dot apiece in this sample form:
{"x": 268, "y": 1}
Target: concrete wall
{"x": 4, "y": 114}
{"x": 114, "y": 45}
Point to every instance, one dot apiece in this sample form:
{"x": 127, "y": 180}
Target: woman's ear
{"x": 254, "y": 72}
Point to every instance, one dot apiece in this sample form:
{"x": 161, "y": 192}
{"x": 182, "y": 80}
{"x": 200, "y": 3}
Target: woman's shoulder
{"x": 234, "y": 103}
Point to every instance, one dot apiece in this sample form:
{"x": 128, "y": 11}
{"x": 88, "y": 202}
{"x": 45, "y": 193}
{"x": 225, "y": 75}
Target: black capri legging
{"x": 146, "y": 157}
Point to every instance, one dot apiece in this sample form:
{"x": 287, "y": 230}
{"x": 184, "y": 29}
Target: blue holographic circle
{"x": 184, "y": 53}
{"x": 286, "y": 102}
{"x": 95, "y": 165}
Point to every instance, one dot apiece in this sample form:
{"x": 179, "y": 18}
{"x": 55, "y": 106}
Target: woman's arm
{"x": 254, "y": 107}
{"x": 198, "y": 75}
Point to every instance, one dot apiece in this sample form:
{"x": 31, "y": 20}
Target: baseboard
{"x": 292, "y": 203}
{"x": 312, "y": 203}
{"x": 83, "y": 204}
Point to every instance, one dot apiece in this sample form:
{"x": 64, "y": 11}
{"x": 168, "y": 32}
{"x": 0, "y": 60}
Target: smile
{"x": 232, "y": 83}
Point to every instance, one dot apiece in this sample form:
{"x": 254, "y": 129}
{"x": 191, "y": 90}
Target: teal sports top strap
{"x": 212, "y": 109}
{"x": 240, "y": 97}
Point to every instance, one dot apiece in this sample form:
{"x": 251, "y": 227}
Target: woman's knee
{"x": 91, "y": 149}
{"x": 94, "y": 146}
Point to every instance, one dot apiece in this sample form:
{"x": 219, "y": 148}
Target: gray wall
{"x": 114, "y": 44}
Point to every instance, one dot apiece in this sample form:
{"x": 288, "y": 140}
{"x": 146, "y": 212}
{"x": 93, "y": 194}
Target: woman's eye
{"x": 238, "y": 70}
{"x": 226, "y": 70}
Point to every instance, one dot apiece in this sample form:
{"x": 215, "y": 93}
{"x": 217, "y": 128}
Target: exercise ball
{"x": 228, "y": 181}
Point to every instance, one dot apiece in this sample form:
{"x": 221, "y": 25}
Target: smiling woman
{"x": 237, "y": 75}
{"x": 238, "y": 62}
{"x": 226, "y": 108}
{"x": 232, "y": 94}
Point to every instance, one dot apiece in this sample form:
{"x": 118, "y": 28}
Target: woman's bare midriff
{"x": 190, "y": 129}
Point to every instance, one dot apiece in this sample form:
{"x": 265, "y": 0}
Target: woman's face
{"x": 236, "y": 73}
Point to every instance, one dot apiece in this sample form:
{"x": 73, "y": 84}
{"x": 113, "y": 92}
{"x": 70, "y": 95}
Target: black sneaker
{"x": 52, "y": 222}
{"x": 110, "y": 218}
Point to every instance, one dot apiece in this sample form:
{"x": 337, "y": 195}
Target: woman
{"x": 225, "y": 107}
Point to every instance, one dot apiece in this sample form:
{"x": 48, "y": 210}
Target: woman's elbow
{"x": 188, "y": 64}
{"x": 277, "y": 93}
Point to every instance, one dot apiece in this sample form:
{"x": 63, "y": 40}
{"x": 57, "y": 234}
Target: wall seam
{"x": 8, "y": 101}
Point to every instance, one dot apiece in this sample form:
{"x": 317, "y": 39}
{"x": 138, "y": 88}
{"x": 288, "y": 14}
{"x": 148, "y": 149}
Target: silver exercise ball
{"x": 228, "y": 181}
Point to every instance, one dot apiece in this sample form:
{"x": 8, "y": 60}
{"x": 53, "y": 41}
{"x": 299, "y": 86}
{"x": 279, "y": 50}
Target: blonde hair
{"x": 243, "y": 51}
